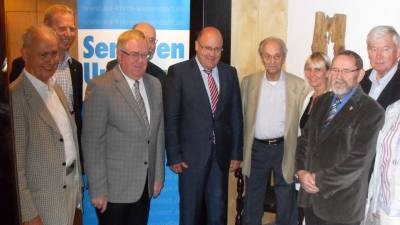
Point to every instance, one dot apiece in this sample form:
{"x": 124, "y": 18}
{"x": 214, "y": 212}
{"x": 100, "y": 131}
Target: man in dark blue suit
{"x": 203, "y": 119}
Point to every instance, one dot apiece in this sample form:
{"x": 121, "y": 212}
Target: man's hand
{"x": 234, "y": 165}
{"x": 157, "y": 188}
{"x": 307, "y": 181}
{"x": 100, "y": 203}
{"x": 179, "y": 167}
{"x": 35, "y": 221}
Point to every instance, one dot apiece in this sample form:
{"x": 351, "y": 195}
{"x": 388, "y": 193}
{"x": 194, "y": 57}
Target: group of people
{"x": 323, "y": 135}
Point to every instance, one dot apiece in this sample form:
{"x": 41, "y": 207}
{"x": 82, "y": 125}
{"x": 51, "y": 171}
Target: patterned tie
{"x": 332, "y": 111}
{"x": 140, "y": 102}
{"x": 213, "y": 90}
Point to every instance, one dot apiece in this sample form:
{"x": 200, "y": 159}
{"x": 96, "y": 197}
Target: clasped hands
{"x": 180, "y": 167}
{"x": 307, "y": 181}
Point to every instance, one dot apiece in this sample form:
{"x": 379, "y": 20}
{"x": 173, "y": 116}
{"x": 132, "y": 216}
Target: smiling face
{"x": 344, "y": 75}
{"x": 132, "y": 58}
{"x": 41, "y": 56}
{"x": 209, "y": 47}
{"x": 64, "y": 26}
{"x": 316, "y": 74}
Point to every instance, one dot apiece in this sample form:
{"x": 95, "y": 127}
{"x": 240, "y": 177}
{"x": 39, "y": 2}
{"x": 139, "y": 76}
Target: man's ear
{"x": 361, "y": 74}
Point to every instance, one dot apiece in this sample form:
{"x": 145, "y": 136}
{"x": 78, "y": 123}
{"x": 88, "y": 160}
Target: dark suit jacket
{"x": 390, "y": 93}
{"x": 340, "y": 155}
{"x": 151, "y": 69}
{"x": 75, "y": 68}
{"x": 189, "y": 121}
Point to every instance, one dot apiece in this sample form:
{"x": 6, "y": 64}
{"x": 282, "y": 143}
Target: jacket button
{"x": 64, "y": 186}
{"x": 148, "y": 141}
{"x": 64, "y": 164}
{"x": 145, "y": 162}
{"x": 61, "y": 140}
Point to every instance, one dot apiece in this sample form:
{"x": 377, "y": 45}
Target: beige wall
{"x": 252, "y": 21}
{"x": 20, "y": 14}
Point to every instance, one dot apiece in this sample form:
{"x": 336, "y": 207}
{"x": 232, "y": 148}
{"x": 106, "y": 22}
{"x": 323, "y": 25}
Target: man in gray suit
{"x": 123, "y": 136}
{"x": 45, "y": 136}
{"x": 335, "y": 152}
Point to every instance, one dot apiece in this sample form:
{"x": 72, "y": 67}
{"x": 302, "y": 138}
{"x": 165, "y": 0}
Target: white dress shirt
{"x": 59, "y": 114}
{"x": 204, "y": 76}
{"x": 63, "y": 79}
{"x": 377, "y": 86}
{"x": 271, "y": 110}
{"x": 142, "y": 90}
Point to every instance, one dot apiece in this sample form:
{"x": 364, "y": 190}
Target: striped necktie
{"x": 140, "y": 102}
{"x": 332, "y": 111}
{"x": 212, "y": 87}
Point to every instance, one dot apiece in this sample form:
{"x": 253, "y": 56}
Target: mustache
{"x": 338, "y": 81}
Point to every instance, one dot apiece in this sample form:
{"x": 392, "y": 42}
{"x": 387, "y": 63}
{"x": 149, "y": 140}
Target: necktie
{"x": 212, "y": 87}
{"x": 140, "y": 102}
{"x": 332, "y": 111}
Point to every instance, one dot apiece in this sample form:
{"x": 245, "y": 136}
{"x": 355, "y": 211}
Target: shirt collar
{"x": 128, "y": 79}
{"x": 385, "y": 79}
{"x": 67, "y": 59}
{"x": 213, "y": 71}
{"x": 39, "y": 85}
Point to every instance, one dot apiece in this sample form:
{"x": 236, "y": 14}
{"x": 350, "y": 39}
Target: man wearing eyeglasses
{"x": 123, "y": 136}
{"x": 203, "y": 119}
{"x": 272, "y": 101}
{"x": 335, "y": 152}
{"x": 382, "y": 81}
{"x": 151, "y": 37}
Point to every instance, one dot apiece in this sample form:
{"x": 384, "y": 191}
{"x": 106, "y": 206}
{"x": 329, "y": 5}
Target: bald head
{"x": 40, "y": 52}
{"x": 150, "y": 34}
{"x": 209, "y": 47}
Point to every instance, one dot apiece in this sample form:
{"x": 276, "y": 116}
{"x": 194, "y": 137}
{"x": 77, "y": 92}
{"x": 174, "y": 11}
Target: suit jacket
{"x": 75, "y": 68}
{"x": 296, "y": 89}
{"x": 151, "y": 69}
{"x": 40, "y": 155}
{"x": 390, "y": 93}
{"x": 189, "y": 122}
{"x": 340, "y": 155}
{"x": 119, "y": 151}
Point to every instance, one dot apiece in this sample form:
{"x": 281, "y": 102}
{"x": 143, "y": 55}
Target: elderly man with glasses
{"x": 123, "y": 136}
{"x": 335, "y": 152}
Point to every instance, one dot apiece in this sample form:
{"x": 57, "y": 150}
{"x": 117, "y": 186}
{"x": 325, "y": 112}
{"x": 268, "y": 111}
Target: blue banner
{"x": 99, "y": 24}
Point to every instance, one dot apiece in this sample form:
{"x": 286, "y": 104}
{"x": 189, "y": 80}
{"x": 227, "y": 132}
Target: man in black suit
{"x": 69, "y": 72}
{"x": 335, "y": 152}
{"x": 382, "y": 81}
{"x": 150, "y": 34}
{"x": 203, "y": 119}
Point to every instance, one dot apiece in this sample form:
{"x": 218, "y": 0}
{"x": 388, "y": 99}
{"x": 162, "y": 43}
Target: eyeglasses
{"x": 342, "y": 71}
{"x": 152, "y": 40}
{"x": 136, "y": 55}
{"x": 210, "y": 49}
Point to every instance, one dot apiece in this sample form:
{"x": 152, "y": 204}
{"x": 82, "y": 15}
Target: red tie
{"x": 213, "y": 90}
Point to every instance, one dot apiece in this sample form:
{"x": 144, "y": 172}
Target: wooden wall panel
{"x": 16, "y": 24}
{"x": 20, "y": 14}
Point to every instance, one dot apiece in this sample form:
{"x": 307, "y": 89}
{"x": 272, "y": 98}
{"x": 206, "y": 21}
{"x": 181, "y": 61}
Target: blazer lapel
{"x": 254, "y": 89}
{"x": 342, "y": 118}
{"x": 37, "y": 104}
{"x": 223, "y": 81}
{"x": 150, "y": 97}
{"x": 198, "y": 84}
{"x": 126, "y": 91}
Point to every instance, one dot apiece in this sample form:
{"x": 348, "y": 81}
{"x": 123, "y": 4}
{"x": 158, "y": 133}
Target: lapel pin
{"x": 351, "y": 108}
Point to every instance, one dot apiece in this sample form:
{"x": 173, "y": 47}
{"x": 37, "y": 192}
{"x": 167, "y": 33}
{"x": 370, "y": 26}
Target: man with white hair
{"x": 382, "y": 81}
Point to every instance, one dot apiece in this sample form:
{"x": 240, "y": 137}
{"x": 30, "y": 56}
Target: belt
{"x": 70, "y": 168}
{"x": 273, "y": 141}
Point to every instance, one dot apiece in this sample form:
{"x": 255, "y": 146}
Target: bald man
{"x": 203, "y": 119}
{"x": 46, "y": 142}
